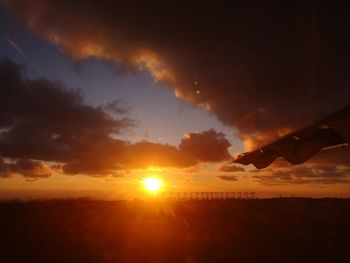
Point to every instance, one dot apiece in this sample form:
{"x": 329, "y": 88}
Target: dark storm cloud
{"x": 194, "y": 148}
{"x": 206, "y": 146}
{"x": 264, "y": 67}
{"x": 228, "y": 178}
{"x": 41, "y": 120}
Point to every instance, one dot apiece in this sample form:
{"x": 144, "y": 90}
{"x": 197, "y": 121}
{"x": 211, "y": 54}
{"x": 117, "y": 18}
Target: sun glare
{"x": 152, "y": 185}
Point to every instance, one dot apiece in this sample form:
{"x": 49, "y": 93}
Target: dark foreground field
{"x": 275, "y": 230}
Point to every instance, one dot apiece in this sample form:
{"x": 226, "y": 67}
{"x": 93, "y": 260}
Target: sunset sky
{"x": 94, "y": 98}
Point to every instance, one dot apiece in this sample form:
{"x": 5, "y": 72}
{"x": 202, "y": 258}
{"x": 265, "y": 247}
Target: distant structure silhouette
{"x": 209, "y": 195}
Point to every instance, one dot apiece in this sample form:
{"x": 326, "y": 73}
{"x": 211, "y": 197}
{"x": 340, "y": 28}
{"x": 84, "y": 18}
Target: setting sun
{"x": 152, "y": 184}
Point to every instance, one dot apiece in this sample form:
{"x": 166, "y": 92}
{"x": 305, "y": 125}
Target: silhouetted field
{"x": 271, "y": 230}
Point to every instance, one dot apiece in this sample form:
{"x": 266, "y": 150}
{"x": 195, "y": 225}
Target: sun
{"x": 152, "y": 185}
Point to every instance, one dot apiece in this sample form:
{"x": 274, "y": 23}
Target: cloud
{"x": 207, "y": 146}
{"x": 228, "y": 167}
{"x": 41, "y": 120}
{"x": 115, "y": 154}
{"x": 26, "y": 168}
{"x": 328, "y": 167}
{"x": 5, "y": 169}
{"x": 336, "y": 156}
{"x": 265, "y": 68}
{"x": 30, "y": 168}
{"x": 194, "y": 148}
{"x": 116, "y": 107}
{"x": 144, "y": 154}
{"x": 304, "y": 174}
{"x": 228, "y": 178}
{"x": 259, "y": 67}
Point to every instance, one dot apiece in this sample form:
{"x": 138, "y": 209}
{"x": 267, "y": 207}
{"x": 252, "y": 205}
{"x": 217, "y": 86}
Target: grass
{"x": 266, "y": 230}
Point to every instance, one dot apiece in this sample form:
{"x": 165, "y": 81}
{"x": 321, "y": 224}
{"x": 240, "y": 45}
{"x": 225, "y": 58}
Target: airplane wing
{"x": 299, "y": 146}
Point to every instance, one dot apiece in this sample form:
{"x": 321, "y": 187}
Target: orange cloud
{"x": 253, "y": 141}
{"x": 26, "y": 168}
{"x": 228, "y": 178}
{"x": 229, "y": 167}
